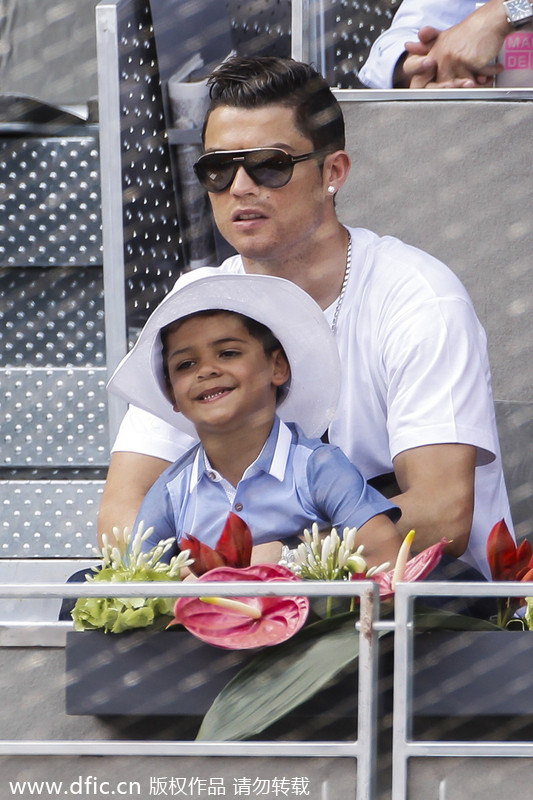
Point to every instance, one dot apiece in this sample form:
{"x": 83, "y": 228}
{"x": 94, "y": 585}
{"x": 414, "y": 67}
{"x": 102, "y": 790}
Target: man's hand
{"x": 418, "y": 70}
{"x": 414, "y": 65}
{"x": 461, "y": 55}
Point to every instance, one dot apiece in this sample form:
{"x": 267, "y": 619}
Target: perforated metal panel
{"x": 51, "y": 317}
{"x": 351, "y": 28}
{"x": 53, "y": 406}
{"x": 152, "y": 256}
{"x": 260, "y": 27}
{"x": 48, "y": 518}
{"x": 345, "y": 29}
{"x": 49, "y": 202}
{"x": 54, "y": 417}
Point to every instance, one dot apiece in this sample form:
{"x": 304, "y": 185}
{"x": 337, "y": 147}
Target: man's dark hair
{"x": 266, "y": 80}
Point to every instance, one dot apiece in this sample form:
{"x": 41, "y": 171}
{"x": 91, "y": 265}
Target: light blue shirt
{"x": 294, "y": 482}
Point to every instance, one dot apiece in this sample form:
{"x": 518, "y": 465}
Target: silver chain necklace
{"x": 347, "y": 271}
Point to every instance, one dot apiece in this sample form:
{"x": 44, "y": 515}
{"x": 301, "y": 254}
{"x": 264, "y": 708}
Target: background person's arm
{"x": 417, "y": 69}
{"x": 464, "y": 51}
{"x": 144, "y": 447}
{"x": 382, "y": 69}
{"x": 437, "y": 494}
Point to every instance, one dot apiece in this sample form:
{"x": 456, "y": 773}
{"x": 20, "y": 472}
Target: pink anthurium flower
{"x": 244, "y": 622}
{"x": 414, "y": 569}
{"x": 233, "y": 549}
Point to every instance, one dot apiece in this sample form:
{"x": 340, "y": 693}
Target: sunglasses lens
{"x": 272, "y": 168}
{"x": 266, "y": 167}
{"x": 215, "y": 171}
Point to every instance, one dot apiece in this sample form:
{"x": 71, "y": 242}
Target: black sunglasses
{"x": 266, "y": 166}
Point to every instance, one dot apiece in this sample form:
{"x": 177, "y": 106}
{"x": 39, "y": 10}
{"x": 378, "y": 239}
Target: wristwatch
{"x": 519, "y": 12}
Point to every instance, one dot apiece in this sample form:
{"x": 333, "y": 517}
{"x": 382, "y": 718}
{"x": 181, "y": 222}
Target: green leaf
{"x": 281, "y": 678}
{"x": 426, "y": 619}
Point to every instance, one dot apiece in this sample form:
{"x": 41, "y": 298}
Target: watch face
{"x": 518, "y": 10}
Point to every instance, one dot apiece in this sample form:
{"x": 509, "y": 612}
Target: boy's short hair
{"x": 243, "y": 82}
{"x": 254, "y": 328}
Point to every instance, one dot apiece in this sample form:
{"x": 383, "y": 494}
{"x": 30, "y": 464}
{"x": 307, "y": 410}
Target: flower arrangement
{"x": 122, "y": 563}
{"x": 331, "y": 558}
{"x": 247, "y": 622}
{"x": 294, "y": 647}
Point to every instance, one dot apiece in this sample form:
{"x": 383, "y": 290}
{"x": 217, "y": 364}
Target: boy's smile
{"x": 213, "y": 394}
{"x": 220, "y": 376}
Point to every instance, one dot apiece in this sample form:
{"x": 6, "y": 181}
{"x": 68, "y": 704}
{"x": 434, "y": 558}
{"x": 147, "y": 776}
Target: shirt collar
{"x": 198, "y": 469}
{"x": 272, "y": 459}
{"x": 275, "y": 454}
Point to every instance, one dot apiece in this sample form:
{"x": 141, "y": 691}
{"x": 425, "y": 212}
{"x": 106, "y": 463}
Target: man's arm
{"x": 128, "y": 480}
{"x": 437, "y": 494}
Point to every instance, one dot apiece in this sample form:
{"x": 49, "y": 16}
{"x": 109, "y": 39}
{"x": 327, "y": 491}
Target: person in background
{"x": 416, "y": 397}
{"x": 443, "y": 44}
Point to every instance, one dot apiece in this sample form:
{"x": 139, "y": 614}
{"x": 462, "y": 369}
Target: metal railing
{"x": 363, "y": 749}
{"x": 404, "y": 746}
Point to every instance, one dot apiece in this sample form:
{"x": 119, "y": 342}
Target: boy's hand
{"x": 267, "y": 553}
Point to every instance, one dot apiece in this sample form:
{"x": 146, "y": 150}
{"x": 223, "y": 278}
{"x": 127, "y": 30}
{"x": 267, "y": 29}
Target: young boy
{"x": 249, "y": 364}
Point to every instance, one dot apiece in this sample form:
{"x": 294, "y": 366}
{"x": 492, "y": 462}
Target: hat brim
{"x": 291, "y": 314}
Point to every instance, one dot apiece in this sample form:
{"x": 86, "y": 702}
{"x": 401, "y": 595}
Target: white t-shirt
{"x": 412, "y": 15}
{"x": 415, "y": 372}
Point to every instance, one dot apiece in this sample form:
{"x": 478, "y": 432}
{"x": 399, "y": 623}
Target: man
{"x": 416, "y": 394}
{"x": 455, "y": 44}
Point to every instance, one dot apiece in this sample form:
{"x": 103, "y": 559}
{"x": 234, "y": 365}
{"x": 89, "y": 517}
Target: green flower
{"x": 124, "y": 563}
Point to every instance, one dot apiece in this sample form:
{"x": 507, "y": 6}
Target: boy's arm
{"x": 381, "y": 540}
{"x": 342, "y": 495}
{"x": 145, "y": 446}
{"x": 266, "y": 553}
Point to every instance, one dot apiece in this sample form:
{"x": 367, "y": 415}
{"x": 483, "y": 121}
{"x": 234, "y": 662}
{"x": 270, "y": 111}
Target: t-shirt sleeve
{"x": 156, "y": 510}
{"x": 340, "y": 492}
{"x": 438, "y": 378}
{"x": 142, "y": 432}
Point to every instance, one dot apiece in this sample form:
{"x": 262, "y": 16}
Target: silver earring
{"x": 331, "y": 189}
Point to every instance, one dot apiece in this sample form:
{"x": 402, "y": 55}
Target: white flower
{"x": 326, "y": 557}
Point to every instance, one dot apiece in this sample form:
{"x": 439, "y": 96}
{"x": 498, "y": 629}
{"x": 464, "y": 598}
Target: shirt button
{"x": 238, "y": 507}
{"x": 211, "y": 475}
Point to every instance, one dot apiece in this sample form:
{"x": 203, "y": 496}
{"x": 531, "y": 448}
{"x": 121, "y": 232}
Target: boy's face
{"x": 220, "y": 376}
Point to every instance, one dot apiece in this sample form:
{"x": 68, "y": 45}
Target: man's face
{"x": 263, "y": 224}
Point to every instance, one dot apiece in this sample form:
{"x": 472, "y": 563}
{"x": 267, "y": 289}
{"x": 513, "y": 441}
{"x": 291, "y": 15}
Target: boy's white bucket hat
{"x": 291, "y": 314}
